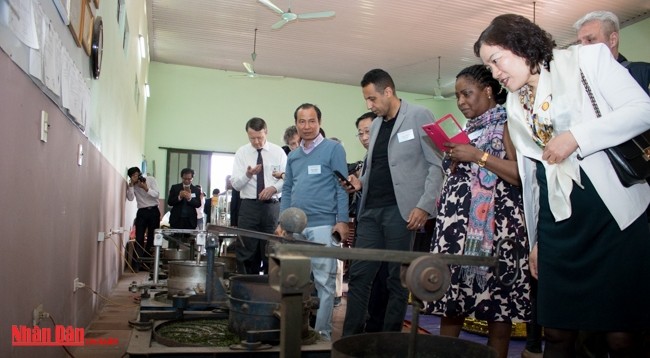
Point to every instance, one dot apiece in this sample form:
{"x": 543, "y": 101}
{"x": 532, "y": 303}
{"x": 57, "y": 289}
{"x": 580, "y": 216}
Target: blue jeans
{"x": 379, "y": 228}
{"x": 324, "y": 271}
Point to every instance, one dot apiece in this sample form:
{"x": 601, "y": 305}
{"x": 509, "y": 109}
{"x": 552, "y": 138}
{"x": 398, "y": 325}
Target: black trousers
{"x": 259, "y": 216}
{"x": 146, "y": 220}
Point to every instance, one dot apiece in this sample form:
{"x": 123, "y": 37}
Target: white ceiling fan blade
{"x": 316, "y": 15}
{"x": 450, "y": 84}
{"x": 279, "y": 24}
{"x": 271, "y": 6}
{"x": 249, "y": 67}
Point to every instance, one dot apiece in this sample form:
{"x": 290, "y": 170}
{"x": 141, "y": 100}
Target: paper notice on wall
{"x": 36, "y": 64}
{"x": 76, "y": 98}
{"x": 35, "y": 57}
{"x": 80, "y": 100}
{"x": 51, "y": 54}
{"x": 67, "y": 79}
{"x": 21, "y": 22}
{"x": 85, "y": 113}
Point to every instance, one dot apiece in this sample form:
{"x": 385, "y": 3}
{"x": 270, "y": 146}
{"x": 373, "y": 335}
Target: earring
{"x": 489, "y": 97}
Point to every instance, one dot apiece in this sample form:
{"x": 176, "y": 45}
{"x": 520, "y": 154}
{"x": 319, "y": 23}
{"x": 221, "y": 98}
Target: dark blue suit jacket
{"x": 180, "y": 207}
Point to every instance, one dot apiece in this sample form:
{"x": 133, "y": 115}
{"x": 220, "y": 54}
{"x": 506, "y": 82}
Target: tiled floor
{"x": 112, "y": 323}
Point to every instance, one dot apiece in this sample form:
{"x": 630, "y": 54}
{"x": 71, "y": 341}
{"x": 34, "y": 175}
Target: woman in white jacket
{"x": 588, "y": 233}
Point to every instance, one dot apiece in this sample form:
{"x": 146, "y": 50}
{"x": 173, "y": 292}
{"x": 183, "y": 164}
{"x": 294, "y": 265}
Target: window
{"x": 221, "y": 167}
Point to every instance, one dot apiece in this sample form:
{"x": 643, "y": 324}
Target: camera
{"x": 142, "y": 179}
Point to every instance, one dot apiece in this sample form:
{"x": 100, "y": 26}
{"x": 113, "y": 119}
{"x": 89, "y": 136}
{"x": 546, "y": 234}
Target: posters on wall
{"x": 49, "y": 62}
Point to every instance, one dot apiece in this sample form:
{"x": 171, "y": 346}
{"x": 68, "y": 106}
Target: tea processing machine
{"x": 267, "y": 316}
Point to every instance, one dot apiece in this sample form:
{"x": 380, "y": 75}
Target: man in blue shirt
{"x": 310, "y": 185}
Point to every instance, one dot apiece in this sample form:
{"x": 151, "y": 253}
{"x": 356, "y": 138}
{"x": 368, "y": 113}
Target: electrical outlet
{"x": 100, "y": 236}
{"x": 80, "y": 155}
{"x": 37, "y": 314}
{"x": 76, "y": 285}
{"x": 44, "y": 126}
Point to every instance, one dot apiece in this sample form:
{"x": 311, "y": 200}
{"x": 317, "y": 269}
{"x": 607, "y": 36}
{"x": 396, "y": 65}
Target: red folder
{"x": 446, "y": 129}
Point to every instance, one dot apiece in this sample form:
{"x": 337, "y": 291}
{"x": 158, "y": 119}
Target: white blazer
{"x": 625, "y": 110}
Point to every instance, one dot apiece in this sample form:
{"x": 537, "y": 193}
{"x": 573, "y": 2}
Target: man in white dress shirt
{"x": 145, "y": 191}
{"x": 259, "y": 190}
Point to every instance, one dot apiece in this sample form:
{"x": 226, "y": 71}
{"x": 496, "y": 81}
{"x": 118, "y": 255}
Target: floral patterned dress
{"x": 488, "y": 299}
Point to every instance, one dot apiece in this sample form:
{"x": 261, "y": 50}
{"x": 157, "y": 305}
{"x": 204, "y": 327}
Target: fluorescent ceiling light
{"x": 142, "y": 46}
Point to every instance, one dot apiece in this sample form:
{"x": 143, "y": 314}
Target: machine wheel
{"x": 428, "y": 278}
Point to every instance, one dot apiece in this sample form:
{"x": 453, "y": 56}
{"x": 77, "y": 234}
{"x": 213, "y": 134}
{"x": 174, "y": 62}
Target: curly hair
{"x": 483, "y": 77}
{"x": 521, "y": 36}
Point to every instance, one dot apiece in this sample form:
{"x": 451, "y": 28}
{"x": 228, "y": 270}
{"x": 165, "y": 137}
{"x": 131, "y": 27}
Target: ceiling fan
{"x": 289, "y": 16}
{"x": 437, "y": 91}
{"x": 250, "y": 69}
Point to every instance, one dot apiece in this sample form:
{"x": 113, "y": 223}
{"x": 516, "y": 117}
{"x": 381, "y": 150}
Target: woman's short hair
{"x": 520, "y": 36}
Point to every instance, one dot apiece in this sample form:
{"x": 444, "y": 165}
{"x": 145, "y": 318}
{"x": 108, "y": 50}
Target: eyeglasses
{"x": 361, "y": 134}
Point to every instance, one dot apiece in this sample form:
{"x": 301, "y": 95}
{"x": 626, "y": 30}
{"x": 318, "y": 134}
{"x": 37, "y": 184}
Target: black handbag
{"x": 630, "y": 159}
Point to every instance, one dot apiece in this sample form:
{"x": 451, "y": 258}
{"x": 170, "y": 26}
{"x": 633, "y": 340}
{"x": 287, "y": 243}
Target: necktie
{"x": 260, "y": 175}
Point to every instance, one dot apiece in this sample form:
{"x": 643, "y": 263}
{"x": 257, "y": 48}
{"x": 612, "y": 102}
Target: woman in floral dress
{"x": 481, "y": 208}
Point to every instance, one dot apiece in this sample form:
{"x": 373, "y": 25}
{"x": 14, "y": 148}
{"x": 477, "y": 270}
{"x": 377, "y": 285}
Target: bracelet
{"x": 481, "y": 162}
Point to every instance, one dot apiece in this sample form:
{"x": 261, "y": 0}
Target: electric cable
{"x": 108, "y": 299}
{"x": 123, "y": 258}
{"x": 64, "y": 347}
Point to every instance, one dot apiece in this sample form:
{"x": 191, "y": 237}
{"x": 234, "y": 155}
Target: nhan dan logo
{"x": 24, "y": 336}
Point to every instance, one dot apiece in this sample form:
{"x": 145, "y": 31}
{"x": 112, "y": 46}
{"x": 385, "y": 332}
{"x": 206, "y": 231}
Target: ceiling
{"x": 404, "y": 37}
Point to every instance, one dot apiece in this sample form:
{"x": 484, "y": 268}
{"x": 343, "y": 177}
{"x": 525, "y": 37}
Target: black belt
{"x": 270, "y": 201}
{"x": 150, "y": 207}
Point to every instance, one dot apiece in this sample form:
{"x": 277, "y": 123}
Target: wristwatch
{"x": 481, "y": 162}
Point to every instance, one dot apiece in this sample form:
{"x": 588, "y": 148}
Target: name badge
{"x": 193, "y": 195}
{"x": 313, "y": 169}
{"x": 474, "y": 135}
{"x": 405, "y": 136}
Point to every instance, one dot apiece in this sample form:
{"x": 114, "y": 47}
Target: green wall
{"x": 204, "y": 109}
{"x": 118, "y": 105}
{"x": 634, "y": 41}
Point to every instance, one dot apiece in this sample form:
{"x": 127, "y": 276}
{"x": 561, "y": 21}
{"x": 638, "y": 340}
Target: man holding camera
{"x": 145, "y": 191}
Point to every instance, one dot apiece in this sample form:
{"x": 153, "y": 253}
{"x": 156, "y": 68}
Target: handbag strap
{"x": 590, "y": 94}
{"x": 644, "y": 149}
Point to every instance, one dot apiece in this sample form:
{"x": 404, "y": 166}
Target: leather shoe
{"x": 528, "y": 354}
